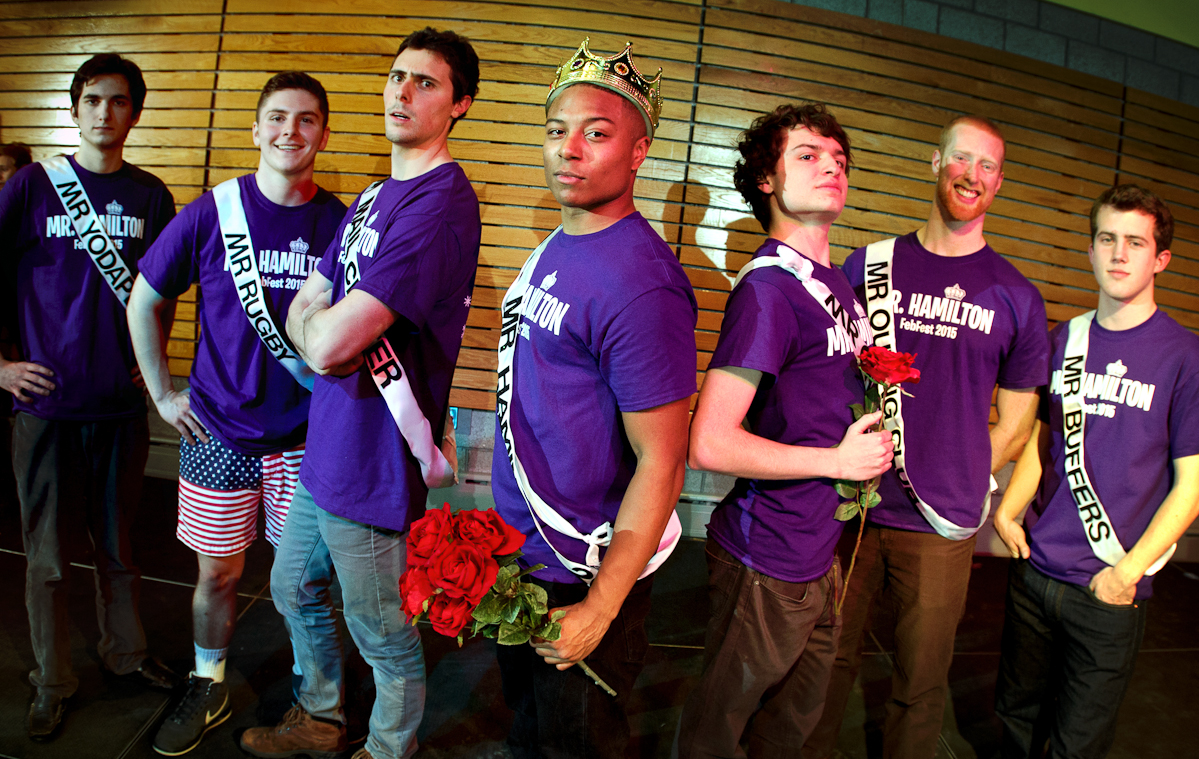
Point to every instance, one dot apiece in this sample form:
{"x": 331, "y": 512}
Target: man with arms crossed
{"x": 74, "y": 228}
{"x": 597, "y": 367}
{"x": 250, "y": 243}
{"x": 1114, "y": 462}
{"x": 406, "y": 254}
{"x": 973, "y": 321}
{"x": 791, "y": 332}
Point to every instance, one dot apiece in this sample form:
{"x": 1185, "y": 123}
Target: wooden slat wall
{"x": 724, "y": 62}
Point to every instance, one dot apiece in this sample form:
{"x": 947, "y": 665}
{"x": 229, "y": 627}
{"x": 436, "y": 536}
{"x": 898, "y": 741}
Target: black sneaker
{"x": 204, "y": 706}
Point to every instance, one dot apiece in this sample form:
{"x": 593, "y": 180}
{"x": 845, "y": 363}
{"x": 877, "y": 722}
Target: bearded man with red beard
{"x": 973, "y": 321}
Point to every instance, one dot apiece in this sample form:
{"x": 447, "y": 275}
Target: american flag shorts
{"x": 219, "y": 493}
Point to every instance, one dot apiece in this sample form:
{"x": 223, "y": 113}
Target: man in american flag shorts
{"x": 250, "y": 244}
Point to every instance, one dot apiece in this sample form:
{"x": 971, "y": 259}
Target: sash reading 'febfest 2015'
{"x": 243, "y": 266}
{"x": 438, "y": 468}
{"x": 87, "y": 225}
{"x": 542, "y": 512}
{"x": 881, "y": 298}
{"x": 1101, "y": 535}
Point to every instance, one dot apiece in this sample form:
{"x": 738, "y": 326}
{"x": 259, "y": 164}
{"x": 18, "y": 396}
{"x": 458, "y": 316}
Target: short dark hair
{"x": 762, "y": 144}
{"x": 110, "y": 63}
{"x": 1131, "y": 197}
{"x": 457, "y": 53}
{"x": 18, "y": 152}
{"x": 976, "y": 121}
{"x": 293, "y": 80}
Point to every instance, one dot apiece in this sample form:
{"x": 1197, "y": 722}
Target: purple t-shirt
{"x": 973, "y": 322}
{"x": 419, "y": 258}
{"x": 1141, "y": 392}
{"x": 621, "y": 338}
{"x": 785, "y": 528}
{"x": 69, "y": 319}
{"x": 241, "y": 392}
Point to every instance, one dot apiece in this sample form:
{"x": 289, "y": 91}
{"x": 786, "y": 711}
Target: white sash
{"x": 243, "y": 267}
{"x": 438, "y": 468}
{"x": 1101, "y": 535}
{"x": 881, "y": 299}
{"x": 803, "y": 269}
{"x": 87, "y": 225}
{"x": 541, "y": 511}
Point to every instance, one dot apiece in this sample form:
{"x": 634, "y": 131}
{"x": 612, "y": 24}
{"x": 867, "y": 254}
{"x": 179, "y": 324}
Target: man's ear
{"x": 461, "y": 107}
{"x": 936, "y": 162}
{"x": 1163, "y": 260}
{"x": 640, "y": 151}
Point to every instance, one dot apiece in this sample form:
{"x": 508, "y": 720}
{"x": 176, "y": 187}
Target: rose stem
{"x": 864, "y": 496}
{"x": 596, "y": 678}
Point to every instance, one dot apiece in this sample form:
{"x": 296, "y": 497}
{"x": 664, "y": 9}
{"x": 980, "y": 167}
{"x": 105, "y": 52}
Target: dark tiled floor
{"x": 465, "y": 717}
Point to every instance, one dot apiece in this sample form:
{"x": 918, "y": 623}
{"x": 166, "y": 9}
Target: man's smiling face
{"x": 969, "y": 172}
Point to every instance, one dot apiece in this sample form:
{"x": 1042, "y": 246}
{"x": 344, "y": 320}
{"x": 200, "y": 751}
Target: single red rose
{"x": 887, "y": 367}
{"x": 428, "y": 535}
{"x": 415, "y": 589}
{"x": 449, "y": 615}
{"x": 463, "y": 570}
{"x": 487, "y": 530}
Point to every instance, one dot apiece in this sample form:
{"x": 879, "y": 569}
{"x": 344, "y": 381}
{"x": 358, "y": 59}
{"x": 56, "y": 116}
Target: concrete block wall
{"x": 1047, "y": 32}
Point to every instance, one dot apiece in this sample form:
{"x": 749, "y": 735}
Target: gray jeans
{"x": 77, "y": 479}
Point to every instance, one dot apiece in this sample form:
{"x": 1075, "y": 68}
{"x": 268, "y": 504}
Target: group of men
{"x": 320, "y": 389}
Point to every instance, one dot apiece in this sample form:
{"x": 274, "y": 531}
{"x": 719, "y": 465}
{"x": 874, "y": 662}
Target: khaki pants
{"x": 927, "y": 576}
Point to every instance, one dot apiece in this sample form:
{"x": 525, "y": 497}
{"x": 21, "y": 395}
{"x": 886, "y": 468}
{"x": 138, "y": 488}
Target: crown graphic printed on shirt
{"x": 114, "y": 208}
{"x": 549, "y": 279}
{"x": 955, "y": 292}
{"x": 1116, "y": 368}
{"x": 299, "y": 246}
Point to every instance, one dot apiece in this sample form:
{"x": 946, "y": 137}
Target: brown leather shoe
{"x": 298, "y": 734}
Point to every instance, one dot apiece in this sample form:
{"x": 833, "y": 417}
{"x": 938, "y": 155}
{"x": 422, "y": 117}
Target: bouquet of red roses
{"x": 883, "y": 370}
{"x": 462, "y": 569}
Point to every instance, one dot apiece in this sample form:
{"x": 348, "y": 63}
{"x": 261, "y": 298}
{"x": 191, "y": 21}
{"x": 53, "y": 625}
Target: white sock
{"x": 210, "y": 663}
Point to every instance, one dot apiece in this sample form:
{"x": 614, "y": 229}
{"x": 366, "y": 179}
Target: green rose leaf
{"x": 511, "y": 635}
{"x": 858, "y": 411}
{"x": 846, "y": 511}
{"x": 512, "y": 609}
{"x": 489, "y": 610}
{"x": 874, "y": 500}
{"x": 550, "y": 631}
{"x": 847, "y": 489}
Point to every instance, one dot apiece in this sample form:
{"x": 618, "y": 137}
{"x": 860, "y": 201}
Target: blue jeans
{"x": 368, "y": 561}
{"x": 1065, "y": 664}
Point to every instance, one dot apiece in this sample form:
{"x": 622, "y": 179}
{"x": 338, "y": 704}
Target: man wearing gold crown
{"x": 973, "y": 321}
{"x": 596, "y": 370}
{"x": 250, "y": 243}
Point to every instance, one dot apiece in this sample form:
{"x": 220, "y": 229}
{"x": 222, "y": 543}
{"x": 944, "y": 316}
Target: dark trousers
{"x": 563, "y": 714}
{"x": 1065, "y": 664}
{"x": 76, "y": 479}
{"x": 768, "y": 654}
{"x": 926, "y": 577}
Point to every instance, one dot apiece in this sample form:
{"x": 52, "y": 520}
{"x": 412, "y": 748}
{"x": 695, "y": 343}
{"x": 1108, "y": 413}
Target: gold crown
{"x": 618, "y": 74}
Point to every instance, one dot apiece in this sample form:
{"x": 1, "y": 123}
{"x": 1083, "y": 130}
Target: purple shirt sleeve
{"x": 759, "y": 330}
{"x": 1027, "y": 364}
{"x": 170, "y": 265}
{"x": 653, "y": 336}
